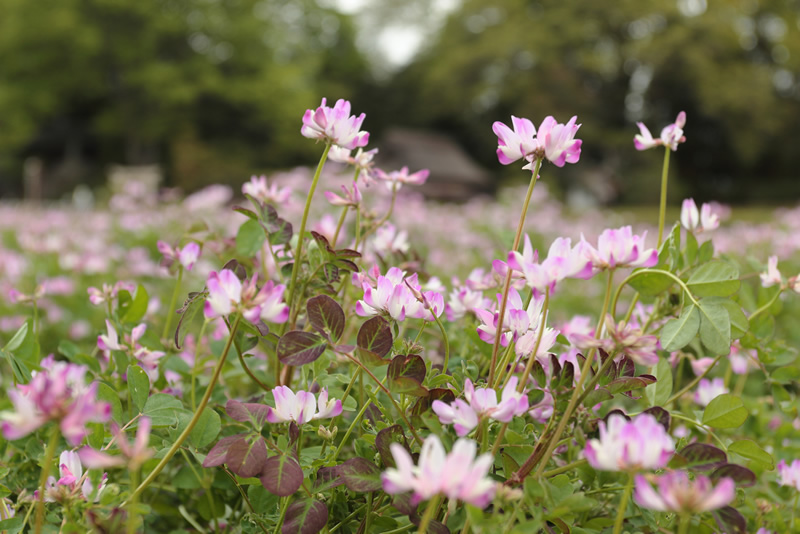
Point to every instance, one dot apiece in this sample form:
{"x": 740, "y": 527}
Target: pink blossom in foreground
{"x": 227, "y": 294}
{"x": 134, "y": 454}
{"x": 623, "y": 445}
{"x": 56, "y": 393}
{"x": 563, "y": 261}
{"x": 67, "y": 485}
{"x": 621, "y": 248}
{"x": 301, "y": 407}
{"x": 335, "y": 125}
{"x": 789, "y": 474}
{"x": 671, "y": 135}
{"x": 457, "y": 476}
{"x": 395, "y": 179}
{"x": 519, "y": 143}
{"x": 399, "y": 297}
{"x": 558, "y": 141}
{"x": 772, "y": 276}
{"x": 481, "y": 403}
{"x": 708, "y": 390}
{"x": 272, "y": 194}
{"x": 676, "y": 493}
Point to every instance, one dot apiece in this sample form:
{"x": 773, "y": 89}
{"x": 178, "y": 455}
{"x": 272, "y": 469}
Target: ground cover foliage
{"x": 327, "y": 352}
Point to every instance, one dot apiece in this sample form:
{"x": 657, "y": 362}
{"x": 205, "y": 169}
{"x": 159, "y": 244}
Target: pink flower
{"x": 620, "y": 248}
{"x": 302, "y": 406}
{"x": 56, "y": 393}
{"x": 772, "y": 276}
{"x": 563, "y": 261}
{"x": 708, "y": 390}
{"x": 698, "y": 221}
{"x": 457, "y": 476}
{"x": 394, "y": 295}
{"x": 361, "y": 160}
{"x": 134, "y": 454}
{"x": 641, "y": 443}
{"x": 632, "y": 341}
{"x": 350, "y": 197}
{"x": 335, "y": 125}
{"x": 71, "y": 471}
{"x": 789, "y": 474}
{"x": 671, "y": 135}
{"x": 395, "y": 179}
{"x": 388, "y": 240}
{"x": 258, "y": 189}
{"x": 186, "y": 256}
{"x": 558, "y": 141}
{"x": 517, "y": 144}
{"x": 224, "y": 293}
{"x": 676, "y": 493}
{"x": 482, "y": 403}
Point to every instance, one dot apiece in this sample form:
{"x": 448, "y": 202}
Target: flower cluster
{"x": 186, "y": 256}
{"x": 56, "y": 393}
{"x": 677, "y": 493}
{"x": 464, "y": 416}
{"x": 335, "y": 125}
{"x": 641, "y": 443}
{"x": 458, "y": 475}
{"x": 789, "y": 474}
{"x": 147, "y": 359}
{"x": 554, "y": 141}
{"x": 694, "y": 220}
{"x": 671, "y": 135}
{"x": 269, "y": 194}
{"x": 133, "y": 454}
{"x": 399, "y": 297}
{"x": 227, "y": 294}
{"x": 301, "y": 407}
{"x": 71, "y": 480}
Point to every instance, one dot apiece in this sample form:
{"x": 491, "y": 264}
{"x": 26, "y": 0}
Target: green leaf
{"x": 250, "y": 238}
{"x": 162, "y": 409}
{"x": 651, "y": 283}
{"x": 596, "y": 397}
{"x": 677, "y": 333}
{"x": 739, "y": 323}
{"x": 106, "y": 394}
{"x": 715, "y": 327}
{"x": 750, "y": 450}
{"x": 207, "y": 429}
{"x": 659, "y": 392}
{"x": 17, "y": 339}
{"x": 714, "y": 279}
{"x": 137, "y": 306}
{"x": 706, "y": 252}
{"x": 725, "y": 411}
{"x": 138, "y": 385}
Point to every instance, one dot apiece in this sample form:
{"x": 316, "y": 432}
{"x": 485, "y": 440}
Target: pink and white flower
{"x": 67, "y": 486}
{"x": 676, "y": 493}
{"x": 772, "y": 276}
{"x": 563, "y": 261}
{"x": 351, "y": 196}
{"x": 134, "y": 454}
{"x": 457, "y": 476}
{"x": 395, "y": 179}
{"x": 301, "y": 407}
{"x": 481, "y": 403}
{"x": 257, "y": 188}
{"x": 186, "y": 256}
{"x": 623, "y": 445}
{"x": 558, "y": 141}
{"x": 693, "y": 220}
{"x": 335, "y": 125}
{"x": 519, "y": 143}
{"x": 362, "y": 159}
{"x": 789, "y": 474}
{"x": 708, "y": 390}
{"x": 671, "y": 135}
{"x": 621, "y": 248}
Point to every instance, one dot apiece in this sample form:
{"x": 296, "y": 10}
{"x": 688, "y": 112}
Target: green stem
{"x": 188, "y": 430}
{"x": 685, "y": 521}
{"x": 563, "y": 469}
{"x": 133, "y": 516}
{"x": 283, "y": 510}
{"x": 339, "y": 226}
{"x": 532, "y": 358}
{"x": 596, "y": 378}
{"x": 765, "y": 307}
{"x": 702, "y": 427}
{"x": 49, "y": 454}
{"x": 507, "y": 283}
{"x": 662, "y": 209}
{"x": 348, "y": 518}
{"x": 446, "y": 345}
{"x": 691, "y": 384}
{"x": 419, "y": 333}
{"x": 298, "y": 253}
{"x": 375, "y": 226}
{"x": 358, "y": 417}
{"x": 641, "y": 272}
{"x": 198, "y": 343}
{"x": 430, "y": 511}
{"x": 172, "y": 302}
{"x": 369, "y": 512}
{"x": 623, "y": 505}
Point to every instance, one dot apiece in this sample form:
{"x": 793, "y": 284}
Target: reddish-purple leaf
{"x": 702, "y": 457}
{"x": 567, "y": 377}
{"x": 626, "y": 367}
{"x": 281, "y": 475}
{"x": 299, "y": 348}
{"x": 538, "y": 374}
{"x": 375, "y": 336}
{"x": 661, "y": 415}
{"x": 305, "y": 517}
{"x": 360, "y": 475}
{"x": 237, "y": 268}
{"x": 617, "y": 412}
{"x": 434, "y": 527}
{"x": 402, "y": 503}
{"x": 741, "y": 475}
{"x": 326, "y": 316}
{"x": 406, "y": 373}
{"x": 555, "y": 369}
{"x": 247, "y": 412}
{"x": 327, "y": 478}
{"x": 625, "y": 383}
{"x": 730, "y": 520}
{"x": 424, "y": 403}
{"x": 246, "y": 212}
{"x": 387, "y": 436}
{"x": 216, "y": 456}
{"x": 246, "y": 455}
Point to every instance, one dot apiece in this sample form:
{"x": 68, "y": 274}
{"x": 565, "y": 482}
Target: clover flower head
{"x": 480, "y": 403}
{"x": 623, "y": 445}
{"x": 677, "y": 493}
{"x": 270, "y": 194}
{"x": 671, "y": 135}
{"x": 772, "y": 276}
{"x": 621, "y": 248}
{"x": 301, "y": 407}
{"x": 708, "y": 390}
{"x": 335, "y": 125}
{"x": 789, "y": 474}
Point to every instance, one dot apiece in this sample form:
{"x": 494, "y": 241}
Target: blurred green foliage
{"x": 214, "y": 89}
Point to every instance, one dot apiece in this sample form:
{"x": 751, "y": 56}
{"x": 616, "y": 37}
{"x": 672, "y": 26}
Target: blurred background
{"x": 195, "y": 92}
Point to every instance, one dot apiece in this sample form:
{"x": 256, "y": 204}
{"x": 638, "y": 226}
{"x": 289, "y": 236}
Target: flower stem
{"x": 49, "y": 454}
{"x": 298, "y": 253}
{"x": 623, "y": 505}
{"x": 446, "y": 345}
{"x": 691, "y": 384}
{"x": 685, "y": 521}
{"x": 172, "y": 302}
{"x": 430, "y": 511}
{"x": 357, "y": 418}
{"x": 197, "y": 345}
{"x": 532, "y": 358}
{"x": 507, "y": 283}
{"x": 185, "y": 434}
{"x": 339, "y": 226}
{"x": 134, "y": 503}
{"x": 662, "y": 210}
{"x": 765, "y": 307}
